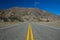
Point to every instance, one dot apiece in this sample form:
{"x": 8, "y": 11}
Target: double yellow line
{"x": 29, "y": 33}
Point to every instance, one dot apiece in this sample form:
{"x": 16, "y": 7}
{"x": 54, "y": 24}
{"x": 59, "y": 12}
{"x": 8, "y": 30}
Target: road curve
{"x": 19, "y": 32}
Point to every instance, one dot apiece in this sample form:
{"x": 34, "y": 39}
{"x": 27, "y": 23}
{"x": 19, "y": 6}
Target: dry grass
{"x": 54, "y": 24}
{"x": 4, "y": 24}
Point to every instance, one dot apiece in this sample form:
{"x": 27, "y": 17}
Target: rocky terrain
{"x": 27, "y": 14}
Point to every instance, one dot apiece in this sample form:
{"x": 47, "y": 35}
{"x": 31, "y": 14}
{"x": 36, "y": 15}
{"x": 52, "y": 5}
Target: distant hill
{"x": 27, "y": 14}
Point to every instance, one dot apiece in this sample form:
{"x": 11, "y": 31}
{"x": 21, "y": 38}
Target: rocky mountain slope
{"x": 26, "y": 14}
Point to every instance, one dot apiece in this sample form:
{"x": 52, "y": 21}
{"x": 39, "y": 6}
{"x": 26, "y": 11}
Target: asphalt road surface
{"x": 19, "y": 32}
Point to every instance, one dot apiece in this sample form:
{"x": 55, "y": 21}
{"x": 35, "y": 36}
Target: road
{"x": 19, "y": 32}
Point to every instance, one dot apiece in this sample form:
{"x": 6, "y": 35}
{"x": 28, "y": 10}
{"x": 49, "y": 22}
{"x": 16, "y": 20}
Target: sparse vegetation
{"x": 16, "y": 14}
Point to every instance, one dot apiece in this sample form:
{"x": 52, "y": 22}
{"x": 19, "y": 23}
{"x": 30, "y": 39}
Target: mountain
{"x": 27, "y": 14}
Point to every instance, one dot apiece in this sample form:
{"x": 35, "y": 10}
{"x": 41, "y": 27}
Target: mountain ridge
{"x": 27, "y": 14}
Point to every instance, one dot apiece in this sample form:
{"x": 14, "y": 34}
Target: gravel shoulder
{"x": 52, "y": 24}
{"x": 4, "y": 24}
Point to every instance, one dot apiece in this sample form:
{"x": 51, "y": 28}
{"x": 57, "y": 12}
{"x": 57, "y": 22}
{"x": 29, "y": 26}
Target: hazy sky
{"x": 48, "y": 5}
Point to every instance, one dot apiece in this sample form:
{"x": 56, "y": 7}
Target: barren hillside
{"x": 26, "y": 14}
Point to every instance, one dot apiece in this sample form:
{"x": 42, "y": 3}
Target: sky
{"x": 52, "y": 6}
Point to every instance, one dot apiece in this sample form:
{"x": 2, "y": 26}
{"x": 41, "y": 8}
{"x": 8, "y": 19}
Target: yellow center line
{"x": 29, "y": 33}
